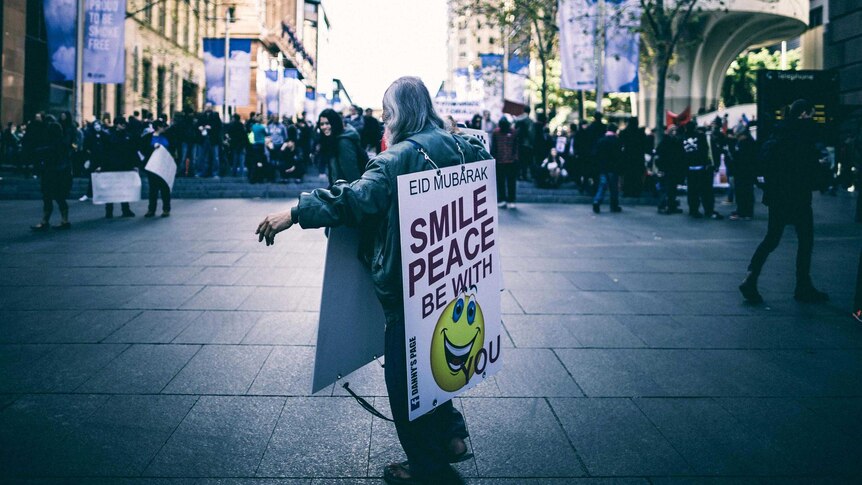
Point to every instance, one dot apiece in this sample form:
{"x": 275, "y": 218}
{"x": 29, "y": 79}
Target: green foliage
{"x": 740, "y": 82}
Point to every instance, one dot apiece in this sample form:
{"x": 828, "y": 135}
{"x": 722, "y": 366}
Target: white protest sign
{"x": 352, "y": 324}
{"x": 161, "y": 163}
{"x": 480, "y": 134}
{"x": 451, "y": 270}
{"x": 116, "y": 187}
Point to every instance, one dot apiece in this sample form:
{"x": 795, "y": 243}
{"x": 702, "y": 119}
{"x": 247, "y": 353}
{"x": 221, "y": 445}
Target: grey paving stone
{"x": 141, "y": 369}
{"x": 283, "y": 300}
{"x": 558, "y": 481}
{"x": 607, "y": 373}
{"x": 284, "y": 328}
{"x": 614, "y": 438}
{"x": 33, "y": 427}
{"x": 75, "y": 297}
{"x": 220, "y": 369}
{"x": 217, "y": 275}
{"x": 120, "y": 438}
{"x": 559, "y": 331}
{"x": 510, "y": 304}
{"x": 841, "y": 413}
{"x": 532, "y": 373}
{"x": 222, "y": 436}
{"x": 535, "y": 280}
{"x": 286, "y": 372}
{"x": 505, "y": 446}
{"x": 218, "y": 259}
{"x": 16, "y": 361}
{"x": 160, "y": 275}
{"x": 311, "y": 277}
{"x": 255, "y": 481}
{"x": 366, "y": 381}
{"x": 589, "y": 281}
{"x": 162, "y": 297}
{"x": 219, "y": 298}
{"x": 66, "y": 367}
{"x": 339, "y": 430}
{"x": 711, "y": 440}
{"x": 821, "y": 372}
{"x": 812, "y": 444}
{"x": 218, "y": 327}
{"x": 154, "y": 326}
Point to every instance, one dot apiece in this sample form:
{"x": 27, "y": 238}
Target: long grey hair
{"x": 407, "y": 109}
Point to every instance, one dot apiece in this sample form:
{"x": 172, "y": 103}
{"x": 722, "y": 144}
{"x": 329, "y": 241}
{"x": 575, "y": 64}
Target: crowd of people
{"x": 261, "y": 148}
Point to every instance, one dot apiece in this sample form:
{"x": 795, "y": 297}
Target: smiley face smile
{"x": 456, "y": 357}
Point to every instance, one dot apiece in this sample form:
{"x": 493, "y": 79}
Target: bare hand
{"x": 272, "y": 225}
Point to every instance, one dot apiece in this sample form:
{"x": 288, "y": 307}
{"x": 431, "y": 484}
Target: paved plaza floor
{"x": 180, "y": 350}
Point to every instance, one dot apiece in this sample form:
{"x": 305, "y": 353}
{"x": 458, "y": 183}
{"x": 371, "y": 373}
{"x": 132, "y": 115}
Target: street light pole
{"x": 79, "y": 64}
{"x": 600, "y": 56}
{"x": 226, "y": 63}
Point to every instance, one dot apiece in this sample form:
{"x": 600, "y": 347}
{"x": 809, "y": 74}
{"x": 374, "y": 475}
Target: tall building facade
{"x": 280, "y": 30}
{"x": 843, "y": 48}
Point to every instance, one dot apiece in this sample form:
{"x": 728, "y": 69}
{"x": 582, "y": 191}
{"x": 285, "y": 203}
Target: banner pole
{"x": 600, "y": 56}
{"x": 225, "y": 115}
{"x": 79, "y": 64}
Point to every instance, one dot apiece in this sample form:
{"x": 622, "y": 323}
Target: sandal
{"x": 393, "y": 477}
{"x": 42, "y": 226}
{"x": 453, "y": 457}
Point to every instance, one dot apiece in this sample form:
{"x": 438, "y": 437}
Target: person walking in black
{"x": 671, "y": 162}
{"x": 504, "y": 151}
{"x": 525, "y": 133}
{"x": 700, "y": 171}
{"x": 608, "y": 154}
{"x": 634, "y": 148}
{"x": 745, "y": 175}
{"x": 55, "y": 174}
{"x": 791, "y": 167}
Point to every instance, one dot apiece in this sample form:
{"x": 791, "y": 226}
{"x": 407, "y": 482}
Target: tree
{"x": 740, "y": 83}
{"x": 665, "y": 25}
{"x": 512, "y": 16}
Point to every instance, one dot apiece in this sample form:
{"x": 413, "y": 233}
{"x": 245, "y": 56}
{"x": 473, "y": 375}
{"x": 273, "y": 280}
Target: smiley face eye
{"x": 471, "y": 312}
{"x": 458, "y": 310}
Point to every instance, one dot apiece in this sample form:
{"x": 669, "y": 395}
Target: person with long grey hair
{"x": 436, "y": 439}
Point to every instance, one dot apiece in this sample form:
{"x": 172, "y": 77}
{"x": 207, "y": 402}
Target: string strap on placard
{"x": 421, "y": 150}
{"x": 365, "y": 404}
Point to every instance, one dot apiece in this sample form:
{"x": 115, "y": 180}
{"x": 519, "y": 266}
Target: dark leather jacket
{"x": 372, "y": 203}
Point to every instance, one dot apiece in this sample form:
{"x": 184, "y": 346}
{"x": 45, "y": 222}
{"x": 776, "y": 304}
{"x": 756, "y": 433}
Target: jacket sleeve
{"x": 348, "y": 204}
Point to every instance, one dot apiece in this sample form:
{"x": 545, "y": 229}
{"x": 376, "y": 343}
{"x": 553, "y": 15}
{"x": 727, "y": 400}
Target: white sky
{"x": 374, "y": 42}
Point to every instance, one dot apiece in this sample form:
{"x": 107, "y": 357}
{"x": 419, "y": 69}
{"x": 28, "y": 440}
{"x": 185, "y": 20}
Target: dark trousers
{"x": 525, "y": 161}
{"x": 158, "y": 186}
{"x": 744, "y": 190}
{"x": 803, "y": 220}
{"x": 608, "y": 182}
{"x": 857, "y": 301}
{"x": 48, "y": 207}
{"x": 507, "y": 182}
{"x": 668, "y": 193}
{"x": 426, "y": 438}
{"x": 700, "y": 192}
{"x": 124, "y": 207}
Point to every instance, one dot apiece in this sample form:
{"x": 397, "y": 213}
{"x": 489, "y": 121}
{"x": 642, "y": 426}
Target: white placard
{"x": 116, "y": 187}
{"x": 480, "y": 134}
{"x": 452, "y": 278}
{"x": 161, "y": 163}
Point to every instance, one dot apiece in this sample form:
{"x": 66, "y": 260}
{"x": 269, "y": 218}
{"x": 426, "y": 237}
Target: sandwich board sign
{"x": 452, "y": 277}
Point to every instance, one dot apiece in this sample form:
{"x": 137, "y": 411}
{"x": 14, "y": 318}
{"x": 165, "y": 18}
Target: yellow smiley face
{"x": 458, "y": 337}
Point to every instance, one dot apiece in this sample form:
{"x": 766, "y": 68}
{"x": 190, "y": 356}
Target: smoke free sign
{"x": 452, "y": 279}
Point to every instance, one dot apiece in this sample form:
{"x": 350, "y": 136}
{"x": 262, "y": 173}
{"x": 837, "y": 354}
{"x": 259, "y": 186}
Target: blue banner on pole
{"x": 104, "y": 41}
{"x": 622, "y": 46}
{"x": 60, "y": 30}
{"x": 104, "y": 38}
{"x": 240, "y": 71}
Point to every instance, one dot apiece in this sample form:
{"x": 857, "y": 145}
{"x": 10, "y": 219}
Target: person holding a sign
{"x": 417, "y": 142}
{"x": 121, "y": 156}
{"x": 157, "y": 184}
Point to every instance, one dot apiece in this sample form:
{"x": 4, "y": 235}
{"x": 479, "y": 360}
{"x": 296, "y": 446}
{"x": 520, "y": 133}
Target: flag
{"x": 576, "y": 20}
{"x": 622, "y": 46}
{"x": 240, "y": 71}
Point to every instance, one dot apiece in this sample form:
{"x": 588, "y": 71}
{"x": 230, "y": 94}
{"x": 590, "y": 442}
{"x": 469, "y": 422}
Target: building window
{"x": 491, "y": 40}
{"x": 815, "y": 17}
{"x": 462, "y": 55}
{"x": 148, "y": 15}
{"x": 462, "y": 41}
{"x": 175, "y": 22}
{"x": 136, "y": 64}
{"x": 147, "y": 68}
